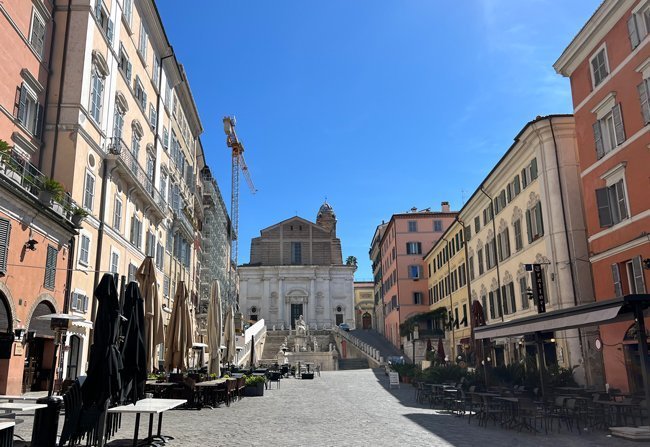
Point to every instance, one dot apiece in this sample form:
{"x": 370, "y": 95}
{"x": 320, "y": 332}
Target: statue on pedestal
{"x": 301, "y": 326}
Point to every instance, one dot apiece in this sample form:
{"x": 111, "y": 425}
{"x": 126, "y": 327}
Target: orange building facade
{"x": 608, "y": 63}
{"x": 406, "y": 239}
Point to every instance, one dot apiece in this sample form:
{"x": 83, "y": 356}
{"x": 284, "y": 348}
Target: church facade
{"x": 296, "y": 269}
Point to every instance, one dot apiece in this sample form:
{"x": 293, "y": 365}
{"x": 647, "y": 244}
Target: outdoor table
{"x": 208, "y": 386}
{"x": 20, "y": 406}
{"x": 11, "y": 398}
{"x": 569, "y": 389}
{"x": 509, "y": 404}
{"x": 151, "y": 407}
{"x": 7, "y": 433}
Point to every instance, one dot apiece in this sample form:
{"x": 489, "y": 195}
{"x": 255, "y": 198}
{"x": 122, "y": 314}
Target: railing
{"x": 117, "y": 147}
{"x": 258, "y": 330}
{"x": 361, "y": 345}
{"x": 180, "y": 216}
{"x": 25, "y": 175}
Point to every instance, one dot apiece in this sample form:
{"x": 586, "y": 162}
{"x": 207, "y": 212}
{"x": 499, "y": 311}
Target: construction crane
{"x": 238, "y": 163}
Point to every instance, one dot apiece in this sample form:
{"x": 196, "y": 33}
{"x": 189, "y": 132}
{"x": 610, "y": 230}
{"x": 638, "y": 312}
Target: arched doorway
{"x": 633, "y": 358}
{"x": 366, "y": 321}
{"x": 38, "y": 350}
{"x": 6, "y": 337}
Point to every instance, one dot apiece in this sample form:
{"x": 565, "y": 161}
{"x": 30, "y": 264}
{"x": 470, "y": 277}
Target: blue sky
{"x": 378, "y": 105}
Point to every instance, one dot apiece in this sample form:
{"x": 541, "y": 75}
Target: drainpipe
{"x": 57, "y": 121}
{"x": 47, "y": 86}
{"x": 68, "y": 276}
{"x": 496, "y": 257}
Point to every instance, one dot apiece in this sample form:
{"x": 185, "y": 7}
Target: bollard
{"x": 46, "y": 422}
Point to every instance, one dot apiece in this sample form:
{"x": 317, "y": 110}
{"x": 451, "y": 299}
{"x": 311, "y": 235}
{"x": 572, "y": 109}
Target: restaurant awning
{"x": 592, "y": 314}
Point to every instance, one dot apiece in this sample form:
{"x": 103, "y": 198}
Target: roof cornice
{"x": 591, "y": 34}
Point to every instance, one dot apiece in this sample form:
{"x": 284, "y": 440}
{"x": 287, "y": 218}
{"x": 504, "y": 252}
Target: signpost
{"x": 393, "y": 379}
{"x": 537, "y": 280}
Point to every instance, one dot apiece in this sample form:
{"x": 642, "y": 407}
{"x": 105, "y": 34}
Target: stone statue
{"x": 301, "y": 326}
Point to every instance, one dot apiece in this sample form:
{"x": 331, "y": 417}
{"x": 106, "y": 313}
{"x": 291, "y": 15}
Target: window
{"x": 509, "y": 300}
{"x": 296, "y": 253}
{"x": 160, "y": 252}
{"x": 616, "y": 276}
{"x": 524, "y": 178}
{"x": 503, "y": 244}
{"x": 413, "y": 248}
{"x": 599, "y": 69}
{"x": 96, "y": 94}
{"x": 105, "y": 24}
{"x": 150, "y": 244}
{"x": 30, "y": 112}
{"x": 612, "y": 206}
{"x": 509, "y": 192}
{"x": 124, "y": 64}
{"x": 89, "y": 191}
{"x": 470, "y": 266}
{"x": 128, "y": 11}
{"x": 37, "y": 35}
{"x": 462, "y": 276}
{"x": 139, "y": 93}
{"x": 166, "y": 286}
{"x": 465, "y": 320}
{"x": 609, "y": 131}
{"x": 412, "y": 226}
{"x": 135, "y": 150}
{"x": 490, "y": 254}
{"x": 479, "y": 257}
{"x": 153, "y": 116}
{"x": 417, "y": 297}
{"x": 169, "y": 244}
{"x": 468, "y": 233}
{"x": 117, "y": 214}
{"x": 79, "y": 302}
{"x": 638, "y": 25}
{"x": 115, "y": 262}
{"x": 118, "y": 124}
{"x": 477, "y": 224}
{"x": 131, "y": 274}
{"x": 165, "y": 138}
{"x": 5, "y": 231}
{"x": 523, "y": 292}
{"x": 488, "y": 214}
{"x": 437, "y": 225}
{"x": 136, "y": 231}
{"x": 50, "y": 268}
{"x": 142, "y": 42}
{"x": 519, "y": 242}
{"x": 636, "y": 283}
{"x": 168, "y": 95}
{"x": 516, "y": 187}
{"x": 415, "y": 271}
{"x": 535, "y": 222}
{"x": 163, "y": 185}
{"x": 84, "y": 250}
{"x": 155, "y": 71}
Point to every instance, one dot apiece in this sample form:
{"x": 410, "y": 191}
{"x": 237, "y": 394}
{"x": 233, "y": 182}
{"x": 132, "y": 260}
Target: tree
{"x": 351, "y": 260}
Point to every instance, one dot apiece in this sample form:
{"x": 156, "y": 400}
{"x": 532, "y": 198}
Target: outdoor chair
{"x": 274, "y": 377}
{"x": 475, "y": 407}
{"x": 490, "y": 410}
{"x": 241, "y": 384}
{"x": 557, "y": 411}
{"x": 529, "y": 413}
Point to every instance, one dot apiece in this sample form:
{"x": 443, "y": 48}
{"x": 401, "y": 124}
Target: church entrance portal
{"x": 366, "y": 321}
{"x": 296, "y": 312}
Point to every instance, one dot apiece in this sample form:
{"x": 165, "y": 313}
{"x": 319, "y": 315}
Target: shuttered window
{"x": 30, "y": 112}
{"x": 79, "y": 302}
{"x": 96, "y": 95}
{"x": 519, "y": 241}
{"x": 612, "y": 205}
{"x": 599, "y": 70}
{"x": 5, "y": 231}
{"x": 535, "y": 222}
{"x": 523, "y": 292}
{"x": 132, "y": 270}
{"x": 643, "y": 98}
{"x": 115, "y": 262}
{"x": 609, "y": 131}
{"x": 637, "y": 273}
{"x": 89, "y": 191}
{"x": 136, "y": 231}
{"x": 117, "y": 214}
{"x": 84, "y": 250}
{"x": 50, "y": 268}
{"x": 37, "y": 36}
{"x": 616, "y": 277}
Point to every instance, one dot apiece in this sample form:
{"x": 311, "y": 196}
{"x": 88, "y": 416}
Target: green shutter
{"x": 22, "y": 105}
{"x": 529, "y": 227}
{"x": 643, "y": 98}
{"x": 619, "y": 130}
{"x": 604, "y": 211}
{"x": 50, "y": 268}
{"x": 616, "y": 276}
{"x": 637, "y": 271}
{"x": 5, "y": 232}
{"x": 539, "y": 219}
{"x": 533, "y": 169}
{"x": 598, "y": 140}
{"x": 633, "y": 31}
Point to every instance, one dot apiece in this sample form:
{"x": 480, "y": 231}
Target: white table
{"x": 150, "y": 407}
{"x": 20, "y": 406}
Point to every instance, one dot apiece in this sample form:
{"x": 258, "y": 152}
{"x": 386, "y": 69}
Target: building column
{"x": 311, "y": 316}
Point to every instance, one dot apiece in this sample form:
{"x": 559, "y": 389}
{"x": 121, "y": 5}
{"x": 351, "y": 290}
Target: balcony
{"x": 182, "y": 222}
{"x": 136, "y": 177}
{"x": 29, "y": 181}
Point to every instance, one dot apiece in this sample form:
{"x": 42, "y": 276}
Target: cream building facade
{"x": 121, "y": 133}
{"x": 449, "y": 292}
{"x": 528, "y": 211}
{"x": 364, "y": 304}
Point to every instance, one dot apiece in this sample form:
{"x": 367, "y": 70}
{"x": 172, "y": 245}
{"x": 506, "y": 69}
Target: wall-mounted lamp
{"x": 19, "y": 334}
{"x": 646, "y": 263}
{"x": 31, "y": 244}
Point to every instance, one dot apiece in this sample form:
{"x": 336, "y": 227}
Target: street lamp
{"x": 415, "y": 335}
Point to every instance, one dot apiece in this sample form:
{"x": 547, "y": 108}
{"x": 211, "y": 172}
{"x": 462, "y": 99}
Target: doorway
{"x": 73, "y": 357}
{"x": 296, "y": 312}
{"x": 339, "y": 319}
{"x": 39, "y": 350}
{"x": 366, "y": 321}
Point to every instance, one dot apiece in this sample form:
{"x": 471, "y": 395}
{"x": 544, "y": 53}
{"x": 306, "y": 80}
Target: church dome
{"x": 325, "y": 208}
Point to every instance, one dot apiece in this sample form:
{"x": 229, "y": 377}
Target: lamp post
{"x": 485, "y": 364}
{"x": 415, "y": 335}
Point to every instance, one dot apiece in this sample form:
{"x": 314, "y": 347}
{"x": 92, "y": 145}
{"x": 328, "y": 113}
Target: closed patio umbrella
{"x": 229, "y": 335}
{"x": 214, "y": 329}
{"x": 105, "y": 360}
{"x": 179, "y": 332}
{"x": 153, "y": 321}
{"x": 134, "y": 352}
{"x": 441, "y": 350}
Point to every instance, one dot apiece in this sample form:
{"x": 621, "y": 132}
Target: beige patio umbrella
{"x": 153, "y": 321}
{"x": 214, "y": 329}
{"x": 229, "y": 335}
{"x": 179, "y": 335}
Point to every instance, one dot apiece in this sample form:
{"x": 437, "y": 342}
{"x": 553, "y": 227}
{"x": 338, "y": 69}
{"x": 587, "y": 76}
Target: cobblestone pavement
{"x": 341, "y": 408}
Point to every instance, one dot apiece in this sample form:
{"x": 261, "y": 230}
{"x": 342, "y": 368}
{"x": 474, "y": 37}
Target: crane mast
{"x": 238, "y": 164}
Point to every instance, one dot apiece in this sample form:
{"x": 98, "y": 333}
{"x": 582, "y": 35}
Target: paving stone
{"x": 341, "y": 408}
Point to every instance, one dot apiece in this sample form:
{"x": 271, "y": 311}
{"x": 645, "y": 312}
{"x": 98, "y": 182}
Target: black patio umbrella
{"x": 105, "y": 361}
{"x": 134, "y": 351}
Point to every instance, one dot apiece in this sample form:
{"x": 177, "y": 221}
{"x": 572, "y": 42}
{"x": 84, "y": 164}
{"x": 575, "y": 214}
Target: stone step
{"x": 347, "y": 364}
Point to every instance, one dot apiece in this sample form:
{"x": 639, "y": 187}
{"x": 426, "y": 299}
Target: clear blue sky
{"x": 378, "y": 105}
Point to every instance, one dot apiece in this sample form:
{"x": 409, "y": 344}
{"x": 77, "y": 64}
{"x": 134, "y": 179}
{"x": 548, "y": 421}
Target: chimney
{"x": 445, "y": 207}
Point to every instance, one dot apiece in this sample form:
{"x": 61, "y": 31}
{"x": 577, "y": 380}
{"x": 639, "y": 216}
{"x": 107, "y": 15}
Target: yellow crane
{"x": 238, "y": 164}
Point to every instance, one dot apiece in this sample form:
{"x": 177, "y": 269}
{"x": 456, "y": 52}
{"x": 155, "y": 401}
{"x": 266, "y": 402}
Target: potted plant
{"x": 78, "y": 215}
{"x": 50, "y": 190}
{"x": 255, "y": 385}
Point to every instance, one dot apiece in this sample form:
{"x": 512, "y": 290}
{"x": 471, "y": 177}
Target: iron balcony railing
{"x": 25, "y": 175}
{"x": 137, "y": 173}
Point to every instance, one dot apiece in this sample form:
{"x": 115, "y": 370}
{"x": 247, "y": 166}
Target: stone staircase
{"x": 377, "y": 341}
{"x": 353, "y": 364}
{"x": 275, "y": 339}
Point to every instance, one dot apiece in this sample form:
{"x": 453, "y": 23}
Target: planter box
{"x": 307, "y": 375}
{"x": 254, "y": 390}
